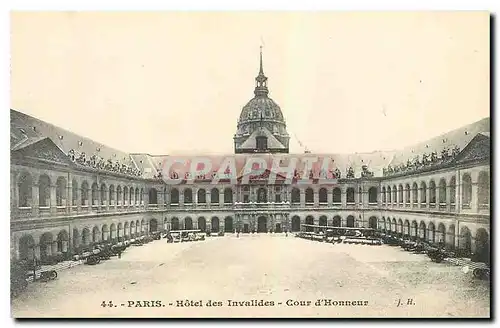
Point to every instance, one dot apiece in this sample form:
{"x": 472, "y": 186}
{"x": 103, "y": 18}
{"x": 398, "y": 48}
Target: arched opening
{"x": 400, "y": 226}
{"x": 46, "y": 241}
{"x": 423, "y": 193}
{"x": 400, "y": 194}
{"x": 132, "y": 229}
{"x": 295, "y": 223}
{"x": 76, "y": 239}
{"x": 372, "y": 195}
{"x": 95, "y": 194}
{"x": 309, "y": 196}
{"x": 119, "y": 195}
{"x": 215, "y": 224}
{"x": 337, "y": 221}
{"x": 25, "y": 188}
{"x": 228, "y": 196}
{"x": 85, "y": 193}
{"x": 323, "y": 195}
{"x": 104, "y": 193}
{"x": 138, "y": 195}
{"x": 337, "y": 195}
{"x": 384, "y": 196}
{"x": 214, "y": 196}
{"x": 131, "y": 195}
{"x": 407, "y": 194}
{"x": 295, "y": 196}
{"x": 111, "y": 195}
{"x": 95, "y": 235}
{"x": 466, "y": 190}
{"x": 174, "y": 196}
{"x": 406, "y": 230}
{"x": 372, "y": 222}
{"x": 482, "y": 246}
{"x": 44, "y": 191}
{"x": 309, "y": 220}
{"x": 323, "y": 221}
{"x": 350, "y": 195}
{"x": 483, "y": 192}
{"x": 465, "y": 242}
{"x": 422, "y": 230}
{"x": 112, "y": 230}
{"x": 228, "y": 224}
{"x": 389, "y": 195}
{"x": 188, "y": 196}
{"x": 440, "y": 234}
{"x": 442, "y": 192}
{"x": 382, "y": 225}
{"x": 395, "y": 225}
{"x": 61, "y": 192}
{"x": 453, "y": 188}
{"x": 415, "y": 193}
{"x": 262, "y": 195}
{"x": 86, "y": 237}
{"x": 432, "y": 192}
{"x": 175, "y": 224}
{"x": 153, "y": 225}
{"x": 105, "y": 232}
{"x": 350, "y": 221}
{"x": 262, "y": 224}
{"x": 389, "y": 224}
{"x": 202, "y": 224}
{"x": 74, "y": 193}
{"x": 394, "y": 194}
{"x": 153, "y": 196}
{"x": 188, "y": 223}
{"x": 202, "y": 196}
{"x": 431, "y": 232}
{"x": 414, "y": 229}
{"x": 26, "y": 248}
{"x": 126, "y": 229}
{"x": 141, "y": 193}
{"x": 119, "y": 232}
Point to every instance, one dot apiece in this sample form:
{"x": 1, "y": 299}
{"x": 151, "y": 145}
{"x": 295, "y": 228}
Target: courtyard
{"x": 279, "y": 276}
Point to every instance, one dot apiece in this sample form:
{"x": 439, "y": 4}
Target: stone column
{"x": 329, "y": 197}
{"x": 221, "y": 197}
{"x": 181, "y": 197}
{"x": 302, "y": 197}
{"x": 458, "y": 192}
{"x": 52, "y": 201}
{"x": 316, "y": 197}
{"x": 474, "y": 197}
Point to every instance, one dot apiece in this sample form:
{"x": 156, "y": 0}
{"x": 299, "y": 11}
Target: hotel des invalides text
{"x": 69, "y": 193}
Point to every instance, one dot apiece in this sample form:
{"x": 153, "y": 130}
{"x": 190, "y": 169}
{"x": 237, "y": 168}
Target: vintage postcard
{"x": 250, "y": 164}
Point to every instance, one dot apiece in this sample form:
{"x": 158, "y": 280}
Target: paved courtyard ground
{"x": 267, "y": 267}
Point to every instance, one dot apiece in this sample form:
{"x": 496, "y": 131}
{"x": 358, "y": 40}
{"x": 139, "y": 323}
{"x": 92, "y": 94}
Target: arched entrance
{"x": 450, "y": 236}
{"x": 465, "y": 242}
{"x": 175, "y": 224}
{"x": 337, "y": 221}
{"x": 422, "y": 230}
{"x": 372, "y": 222}
{"x": 262, "y": 224}
{"x": 414, "y": 229}
{"x": 202, "y": 224}
{"x": 431, "y": 231}
{"x": 26, "y": 247}
{"x": 215, "y": 224}
{"x": 309, "y": 220}
{"x": 482, "y": 246}
{"x": 440, "y": 235}
{"x": 228, "y": 224}
{"x": 188, "y": 223}
{"x": 105, "y": 232}
{"x": 295, "y": 224}
{"x": 323, "y": 222}
{"x": 153, "y": 225}
{"x": 350, "y": 221}
{"x": 95, "y": 234}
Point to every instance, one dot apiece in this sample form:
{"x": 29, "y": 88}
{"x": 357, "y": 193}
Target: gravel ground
{"x": 266, "y": 267}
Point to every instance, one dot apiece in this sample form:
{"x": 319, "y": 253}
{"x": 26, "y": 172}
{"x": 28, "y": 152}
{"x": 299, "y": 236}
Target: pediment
{"x": 479, "y": 148}
{"x": 43, "y": 149}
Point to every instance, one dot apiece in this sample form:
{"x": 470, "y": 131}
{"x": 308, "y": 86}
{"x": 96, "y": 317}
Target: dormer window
{"x": 261, "y": 143}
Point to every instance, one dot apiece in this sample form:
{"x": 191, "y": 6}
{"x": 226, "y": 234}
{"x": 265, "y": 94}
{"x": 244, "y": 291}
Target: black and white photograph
{"x": 267, "y": 164}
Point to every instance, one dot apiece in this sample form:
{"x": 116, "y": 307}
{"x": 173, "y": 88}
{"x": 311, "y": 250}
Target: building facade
{"x": 69, "y": 192}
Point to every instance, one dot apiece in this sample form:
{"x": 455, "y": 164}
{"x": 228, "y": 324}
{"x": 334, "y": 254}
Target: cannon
{"x": 93, "y": 260}
{"x": 436, "y": 254}
{"x": 481, "y": 273}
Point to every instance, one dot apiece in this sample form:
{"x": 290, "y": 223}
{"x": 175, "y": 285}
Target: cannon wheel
{"x": 481, "y": 273}
{"x": 52, "y": 274}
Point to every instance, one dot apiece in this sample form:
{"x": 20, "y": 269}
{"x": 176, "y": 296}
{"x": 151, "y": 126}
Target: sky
{"x": 175, "y": 82}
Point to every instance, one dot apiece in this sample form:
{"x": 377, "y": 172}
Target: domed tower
{"x": 261, "y": 127}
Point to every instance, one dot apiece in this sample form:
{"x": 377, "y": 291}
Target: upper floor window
{"x": 261, "y": 143}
